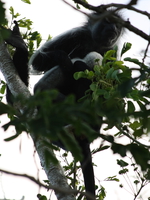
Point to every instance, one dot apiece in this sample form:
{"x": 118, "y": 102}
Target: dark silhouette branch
{"x": 118, "y": 7}
{"x": 62, "y": 190}
{"x": 53, "y": 171}
{"x": 31, "y": 178}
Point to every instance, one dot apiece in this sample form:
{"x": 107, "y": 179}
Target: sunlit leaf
{"x": 26, "y": 1}
{"x": 126, "y": 48}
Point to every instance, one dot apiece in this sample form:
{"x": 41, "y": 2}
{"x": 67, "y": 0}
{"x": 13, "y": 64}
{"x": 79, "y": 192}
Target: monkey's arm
{"x": 61, "y": 49}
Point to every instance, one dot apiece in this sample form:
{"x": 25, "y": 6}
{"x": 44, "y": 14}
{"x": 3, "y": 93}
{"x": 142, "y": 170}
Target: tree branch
{"x": 130, "y": 137}
{"x": 54, "y": 172}
{"x": 31, "y": 178}
{"x": 50, "y": 186}
{"x": 104, "y": 13}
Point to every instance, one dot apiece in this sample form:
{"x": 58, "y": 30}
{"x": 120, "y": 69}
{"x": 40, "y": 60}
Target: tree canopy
{"x": 116, "y": 95}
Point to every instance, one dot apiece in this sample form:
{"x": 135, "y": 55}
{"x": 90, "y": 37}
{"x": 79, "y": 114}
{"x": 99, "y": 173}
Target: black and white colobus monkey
{"x": 97, "y": 35}
{"x": 55, "y": 59}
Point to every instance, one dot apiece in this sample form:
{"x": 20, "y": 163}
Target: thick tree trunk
{"x": 54, "y": 173}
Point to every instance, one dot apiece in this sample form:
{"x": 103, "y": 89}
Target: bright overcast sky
{"x": 55, "y": 17}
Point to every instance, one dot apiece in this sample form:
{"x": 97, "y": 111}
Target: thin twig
{"x": 133, "y": 139}
{"x": 25, "y": 176}
{"x": 66, "y": 191}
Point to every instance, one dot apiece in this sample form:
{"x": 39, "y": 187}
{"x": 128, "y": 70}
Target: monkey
{"x": 65, "y": 83}
{"x": 99, "y": 35}
{"x": 55, "y": 57}
{"x": 61, "y": 57}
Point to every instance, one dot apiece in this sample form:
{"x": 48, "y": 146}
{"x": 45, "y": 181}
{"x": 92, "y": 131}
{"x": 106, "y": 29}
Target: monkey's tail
{"x": 87, "y": 167}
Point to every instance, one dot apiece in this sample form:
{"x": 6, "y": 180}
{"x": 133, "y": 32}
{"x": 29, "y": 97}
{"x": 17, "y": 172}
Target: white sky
{"x": 54, "y": 17}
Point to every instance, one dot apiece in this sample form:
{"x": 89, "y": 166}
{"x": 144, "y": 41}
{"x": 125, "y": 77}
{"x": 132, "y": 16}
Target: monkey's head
{"x": 106, "y": 31}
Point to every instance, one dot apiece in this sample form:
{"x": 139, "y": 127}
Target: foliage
{"x": 26, "y": 1}
{"x": 33, "y": 39}
{"x": 3, "y": 21}
{"x": 115, "y": 91}
{"x": 140, "y": 178}
{"x": 115, "y": 99}
{"x": 110, "y": 100}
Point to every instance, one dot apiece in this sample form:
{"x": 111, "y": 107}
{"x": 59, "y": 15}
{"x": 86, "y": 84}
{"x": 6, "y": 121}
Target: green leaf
{"x": 137, "y": 62}
{"x": 126, "y": 48}
{"x": 135, "y": 125}
{"x": 11, "y": 138}
{"x": 77, "y": 5}
{"x": 25, "y": 23}
{"x": 109, "y": 73}
{"x": 11, "y": 9}
{"x": 97, "y": 69}
{"x": 115, "y": 75}
{"x": 138, "y": 133}
{"x": 148, "y": 81}
{"x": 100, "y": 92}
{"x": 6, "y": 109}
{"x": 102, "y": 148}
{"x": 130, "y": 107}
{"x": 71, "y": 144}
{"x": 107, "y": 95}
{"x": 118, "y": 64}
{"x": 112, "y": 178}
{"x": 119, "y": 148}
{"x": 38, "y": 41}
{"x": 93, "y": 86}
{"x": 141, "y": 155}
{"x": 134, "y": 94}
{"x": 2, "y": 89}
{"x": 3, "y": 20}
{"x": 123, "y": 171}
{"x": 5, "y": 33}
{"x": 142, "y": 106}
{"x": 133, "y": 60}
{"x": 102, "y": 193}
{"x": 109, "y": 55}
{"x": 12, "y": 12}
{"x": 26, "y": 1}
{"x": 136, "y": 182}
{"x": 122, "y": 163}
{"x": 34, "y": 35}
{"x": 78, "y": 75}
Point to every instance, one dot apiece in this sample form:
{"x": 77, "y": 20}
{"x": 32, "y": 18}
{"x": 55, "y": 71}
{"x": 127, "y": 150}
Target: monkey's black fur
{"x": 97, "y": 34}
{"x": 20, "y": 58}
{"x": 55, "y": 58}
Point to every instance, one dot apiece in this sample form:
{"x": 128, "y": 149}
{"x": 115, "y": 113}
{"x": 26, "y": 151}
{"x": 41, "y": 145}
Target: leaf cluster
{"x": 32, "y": 38}
{"x": 52, "y": 117}
{"x": 115, "y": 99}
{"x": 116, "y": 91}
{"x": 110, "y": 100}
{"x": 122, "y": 101}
